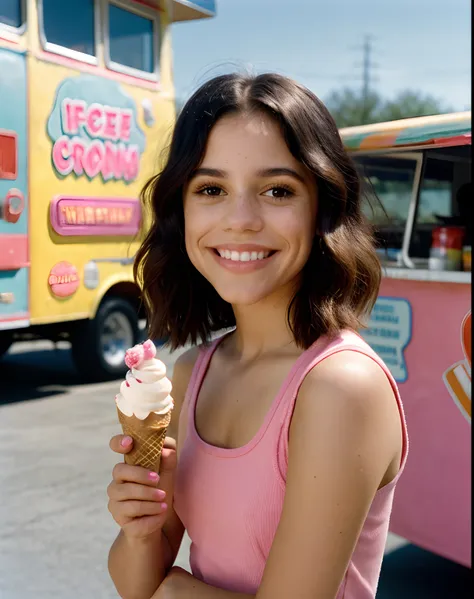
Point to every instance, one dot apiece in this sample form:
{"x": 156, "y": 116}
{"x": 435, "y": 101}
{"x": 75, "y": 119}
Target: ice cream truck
{"x": 420, "y": 170}
{"x": 86, "y": 106}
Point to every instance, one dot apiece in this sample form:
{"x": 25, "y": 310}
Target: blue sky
{"x": 422, "y": 45}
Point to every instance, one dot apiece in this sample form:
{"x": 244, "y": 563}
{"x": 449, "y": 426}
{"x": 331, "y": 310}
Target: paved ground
{"x": 55, "y": 464}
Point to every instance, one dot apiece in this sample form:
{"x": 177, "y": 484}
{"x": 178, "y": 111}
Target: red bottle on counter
{"x": 446, "y": 248}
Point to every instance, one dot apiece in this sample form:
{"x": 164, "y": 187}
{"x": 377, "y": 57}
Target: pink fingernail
{"x": 153, "y": 476}
{"x": 138, "y": 380}
{"x": 126, "y": 441}
{"x": 164, "y": 506}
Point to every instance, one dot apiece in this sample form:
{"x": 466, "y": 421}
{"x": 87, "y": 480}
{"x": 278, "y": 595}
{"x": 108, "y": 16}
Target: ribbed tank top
{"x": 230, "y": 500}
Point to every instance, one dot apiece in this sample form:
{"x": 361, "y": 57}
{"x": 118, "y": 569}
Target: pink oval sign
{"x": 63, "y": 279}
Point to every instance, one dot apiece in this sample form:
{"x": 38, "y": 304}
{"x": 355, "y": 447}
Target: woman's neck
{"x": 262, "y": 328}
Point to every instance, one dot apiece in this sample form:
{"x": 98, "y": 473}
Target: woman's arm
{"x": 138, "y": 566}
{"x": 181, "y": 585}
{"x": 344, "y": 436}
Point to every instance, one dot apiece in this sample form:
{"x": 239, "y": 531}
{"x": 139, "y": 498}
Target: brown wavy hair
{"x": 342, "y": 276}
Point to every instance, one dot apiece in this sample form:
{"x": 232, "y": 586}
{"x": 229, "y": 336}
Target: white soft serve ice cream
{"x": 146, "y": 388}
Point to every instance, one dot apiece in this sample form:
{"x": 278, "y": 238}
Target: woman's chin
{"x": 242, "y": 297}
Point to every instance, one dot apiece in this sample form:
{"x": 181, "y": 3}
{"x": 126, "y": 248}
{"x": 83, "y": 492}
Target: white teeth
{"x": 242, "y": 256}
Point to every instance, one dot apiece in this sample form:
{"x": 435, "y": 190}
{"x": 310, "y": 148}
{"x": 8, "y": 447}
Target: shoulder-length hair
{"x": 341, "y": 278}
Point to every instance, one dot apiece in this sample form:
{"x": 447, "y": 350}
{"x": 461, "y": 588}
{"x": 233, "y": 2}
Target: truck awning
{"x": 187, "y": 10}
{"x": 435, "y": 131}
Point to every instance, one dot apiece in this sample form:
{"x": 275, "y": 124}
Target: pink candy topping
{"x": 135, "y": 356}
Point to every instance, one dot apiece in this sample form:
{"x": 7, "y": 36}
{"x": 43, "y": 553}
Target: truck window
{"x": 131, "y": 39}
{"x": 69, "y": 32}
{"x": 12, "y": 13}
{"x": 446, "y": 170}
{"x": 392, "y": 179}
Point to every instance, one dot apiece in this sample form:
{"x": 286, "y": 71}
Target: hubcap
{"x": 117, "y": 336}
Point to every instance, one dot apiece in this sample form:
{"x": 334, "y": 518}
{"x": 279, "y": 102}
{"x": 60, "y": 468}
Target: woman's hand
{"x": 136, "y": 502}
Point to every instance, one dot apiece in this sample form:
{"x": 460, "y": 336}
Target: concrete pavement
{"x": 55, "y": 465}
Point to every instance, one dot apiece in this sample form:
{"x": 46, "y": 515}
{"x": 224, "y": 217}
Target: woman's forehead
{"x": 255, "y": 141}
{"x": 256, "y": 125}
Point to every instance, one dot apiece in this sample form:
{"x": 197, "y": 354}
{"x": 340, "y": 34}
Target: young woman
{"x": 290, "y": 432}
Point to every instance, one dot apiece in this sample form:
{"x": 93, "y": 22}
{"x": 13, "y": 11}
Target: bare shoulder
{"x": 354, "y": 381}
{"x": 350, "y": 396}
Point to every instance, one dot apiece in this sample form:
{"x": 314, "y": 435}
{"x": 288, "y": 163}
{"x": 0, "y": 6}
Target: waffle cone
{"x": 148, "y": 438}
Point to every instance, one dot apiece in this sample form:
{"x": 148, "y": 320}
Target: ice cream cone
{"x": 148, "y": 438}
{"x": 144, "y": 405}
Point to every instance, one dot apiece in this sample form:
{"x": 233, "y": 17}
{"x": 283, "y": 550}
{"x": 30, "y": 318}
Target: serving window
{"x": 390, "y": 182}
{"x": 414, "y": 193}
{"x": 446, "y": 175}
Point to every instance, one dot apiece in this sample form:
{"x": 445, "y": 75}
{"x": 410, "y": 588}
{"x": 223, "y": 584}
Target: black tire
{"x": 6, "y": 339}
{"x": 91, "y": 357}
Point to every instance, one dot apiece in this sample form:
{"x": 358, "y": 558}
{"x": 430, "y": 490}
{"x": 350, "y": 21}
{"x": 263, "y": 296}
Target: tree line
{"x": 350, "y": 108}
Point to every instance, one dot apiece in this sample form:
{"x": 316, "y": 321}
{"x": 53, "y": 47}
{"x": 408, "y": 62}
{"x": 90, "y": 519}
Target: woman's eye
{"x": 278, "y": 193}
{"x": 211, "y": 191}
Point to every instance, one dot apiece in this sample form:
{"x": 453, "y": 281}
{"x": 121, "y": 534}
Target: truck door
{"x": 14, "y": 254}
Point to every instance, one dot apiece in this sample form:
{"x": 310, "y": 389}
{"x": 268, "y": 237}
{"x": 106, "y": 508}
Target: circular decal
{"x": 63, "y": 279}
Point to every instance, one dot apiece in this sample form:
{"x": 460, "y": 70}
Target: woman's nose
{"x": 243, "y": 214}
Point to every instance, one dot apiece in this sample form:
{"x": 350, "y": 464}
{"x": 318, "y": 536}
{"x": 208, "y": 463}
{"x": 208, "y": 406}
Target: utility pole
{"x": 367, "y": 66}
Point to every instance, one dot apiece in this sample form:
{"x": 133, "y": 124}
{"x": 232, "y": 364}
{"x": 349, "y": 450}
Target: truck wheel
{"x": 99, "y": 345}
{"x": 6, "y": 339}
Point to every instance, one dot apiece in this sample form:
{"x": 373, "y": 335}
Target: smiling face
{"x": 249, "y": 211}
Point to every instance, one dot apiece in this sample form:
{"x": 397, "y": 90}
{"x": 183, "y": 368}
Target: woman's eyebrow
{"x": 279, "y": 171}
{"x": 209, "y": 172}
{"x": 268, "y": 172}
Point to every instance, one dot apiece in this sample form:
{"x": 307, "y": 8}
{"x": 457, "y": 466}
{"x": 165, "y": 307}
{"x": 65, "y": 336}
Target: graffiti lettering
{"x": 113, "y": 161}
{"x": 96, "y": 120}
{"x": 94, "y": 130}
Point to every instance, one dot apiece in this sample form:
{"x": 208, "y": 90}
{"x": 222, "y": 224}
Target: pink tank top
{"x": 230, "y": 500}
